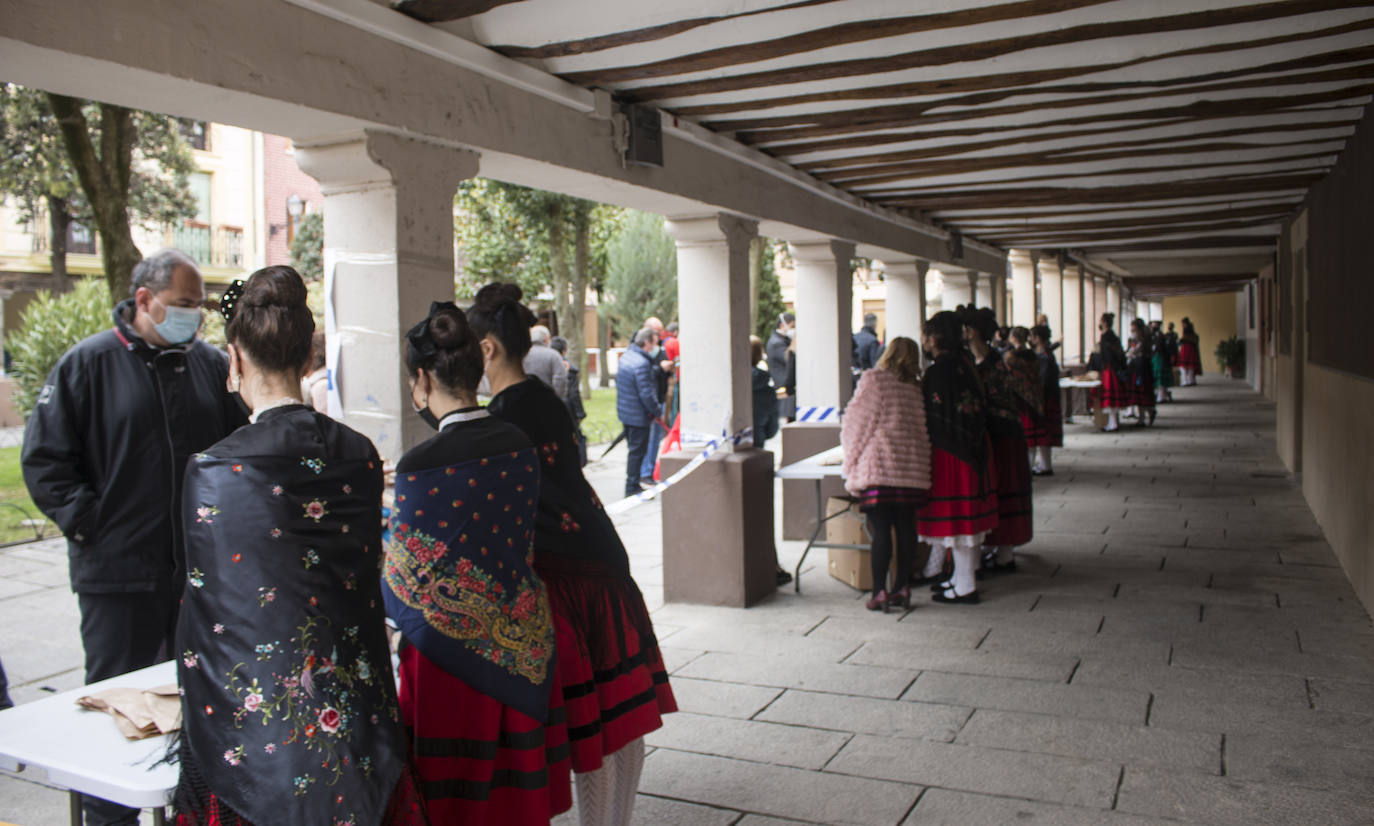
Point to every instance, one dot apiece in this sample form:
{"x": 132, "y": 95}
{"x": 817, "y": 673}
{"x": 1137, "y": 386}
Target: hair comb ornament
{"x": 420, "y": 341}
{"x": 230, "y": 300}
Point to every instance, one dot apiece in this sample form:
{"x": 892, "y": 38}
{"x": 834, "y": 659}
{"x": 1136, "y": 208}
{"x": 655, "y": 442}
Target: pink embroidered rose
{"x": 413, "y": 544}
{"x": 252, "y": 702}
{"x": 330, "y": 719}
{"x": 315, "y": 510}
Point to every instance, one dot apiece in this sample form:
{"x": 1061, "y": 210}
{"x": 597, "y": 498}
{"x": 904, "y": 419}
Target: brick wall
{"x": 281, "y": 179}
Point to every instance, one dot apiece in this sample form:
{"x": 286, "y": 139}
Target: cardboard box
{"x": 852, "y": 568}
{"x": 848, "y": 565}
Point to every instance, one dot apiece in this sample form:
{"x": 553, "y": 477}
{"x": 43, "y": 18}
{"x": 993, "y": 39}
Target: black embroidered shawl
{"x": 1004, "y": 412}
{"x": 289, "y": 701}
{"x": 571, "y": 521}
{"x": 1113, "y": 357}
{"x": 956, "y": 415}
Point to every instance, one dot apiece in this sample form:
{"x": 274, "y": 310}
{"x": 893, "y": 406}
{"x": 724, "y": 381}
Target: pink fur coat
{"x": 884, "y": 434}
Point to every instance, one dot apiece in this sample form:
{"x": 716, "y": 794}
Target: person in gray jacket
{"x": 544, "y": 363}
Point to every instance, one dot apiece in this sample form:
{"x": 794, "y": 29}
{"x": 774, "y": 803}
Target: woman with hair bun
{"x": 615, "y": 687}
{"x": 289, "y": 711}
{"x": 1114, "y": 393}
{"x": 1189, "y": 355}
{"x": 962, "y": 507}
{"x": 479, "y": 693}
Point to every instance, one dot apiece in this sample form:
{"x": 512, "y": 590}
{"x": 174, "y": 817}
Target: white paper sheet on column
{"x": 334, "y": 405}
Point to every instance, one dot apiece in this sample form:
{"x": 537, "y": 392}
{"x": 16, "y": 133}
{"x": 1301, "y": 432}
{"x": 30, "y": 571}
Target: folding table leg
{"x": 820, "y": 526}
{"x": 74, "y": 800}
{"x": 160, "y": 816}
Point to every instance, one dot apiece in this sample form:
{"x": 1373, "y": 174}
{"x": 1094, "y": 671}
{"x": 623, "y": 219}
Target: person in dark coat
{"x": 764, "y": 395}
{"x": 637, "y": 404}
{"x": 573, "y": 399}
{"x": 104, "y": 451}
{"x": 867, "y": 346}
{"x": 782, "y": 364}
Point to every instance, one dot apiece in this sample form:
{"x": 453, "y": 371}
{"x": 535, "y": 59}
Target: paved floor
{"x": 1179, "y": 646}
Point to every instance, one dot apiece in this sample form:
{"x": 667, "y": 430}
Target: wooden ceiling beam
{"x": 1215, "y": 243}
{"x": 1041, "y": 195}
{"x": 900, "y": 171}
{"x": 939, "y": 56}
{"x": 1069, "y": 239}
{"x": 993, "y": 216}
{"x": 1263, "y": 211}
{"x": 826, "y": 126}
{"x": 1031, "y": 78}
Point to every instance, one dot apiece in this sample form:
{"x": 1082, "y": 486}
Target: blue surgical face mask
{"x": 180, "y": 325}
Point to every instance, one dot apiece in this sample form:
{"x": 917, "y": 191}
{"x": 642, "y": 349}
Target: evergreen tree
{"x": 641, "y": 278}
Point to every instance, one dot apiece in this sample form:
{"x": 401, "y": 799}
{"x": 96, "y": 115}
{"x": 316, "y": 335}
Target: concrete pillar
{"x": 728, "y": 558}
{"x": 824, "y": 347}
{"x": 713, "y": 309}
{"x": 1052, "y": 293}
{"x": 906, "y": 298}
{"x": 955, "y": 288}
{"x": 1072, "y": 333}
{"x": 388, "y": 237}
{"x": 935, "y": 290}
{"x": 824, "y": 340}
{"x": 1114, "y": 306}
{"x": 1023, "y": 287}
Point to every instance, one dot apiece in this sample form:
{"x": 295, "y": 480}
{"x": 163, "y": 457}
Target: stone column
{"x": 716, "y": 549}
{"x": 1052, "y": 293}
{"x": 1114, "y": 306}
{"x": 1072, "y": 334}
{"x": 824, "y": 347}
{"x": 954, "y": 289}
{"x": 1023, "y": 288}
{"x": 388, "y": 238}
{"x": 906, "y": 298}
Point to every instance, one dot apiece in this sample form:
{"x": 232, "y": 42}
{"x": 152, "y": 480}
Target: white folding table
{"x": 818, "y": 468}
{"x": 1072, "y": 385}
{"x": 83, "y": 753}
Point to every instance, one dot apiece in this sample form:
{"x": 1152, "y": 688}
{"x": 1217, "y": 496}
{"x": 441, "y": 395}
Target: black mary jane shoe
{"x": 937, "y": 587}
{"x": 918, "y": 581}
{"x": 971, "y": 598}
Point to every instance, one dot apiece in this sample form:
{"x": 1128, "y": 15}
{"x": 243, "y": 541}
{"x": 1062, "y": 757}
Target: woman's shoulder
{"x": 464, "y": 442}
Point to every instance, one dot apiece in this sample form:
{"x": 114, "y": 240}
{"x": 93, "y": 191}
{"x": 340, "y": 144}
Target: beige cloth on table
{"x": 139, "y": 713}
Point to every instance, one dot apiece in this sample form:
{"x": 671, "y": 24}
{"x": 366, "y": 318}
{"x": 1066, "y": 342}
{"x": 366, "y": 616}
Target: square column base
{"x": 800, "y": 440}
{"x": 718, "y": 530}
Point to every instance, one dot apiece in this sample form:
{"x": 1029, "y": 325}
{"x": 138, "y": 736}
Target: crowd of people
{"x": 214, "y": 516}
{"x": 1139, "y": 376}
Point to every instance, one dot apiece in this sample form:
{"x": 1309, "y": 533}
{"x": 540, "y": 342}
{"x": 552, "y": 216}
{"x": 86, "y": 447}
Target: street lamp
{"x": 295, "y": 208}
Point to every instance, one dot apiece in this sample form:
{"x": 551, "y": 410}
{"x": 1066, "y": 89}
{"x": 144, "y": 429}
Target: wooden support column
{"x": 1023, "y": 286}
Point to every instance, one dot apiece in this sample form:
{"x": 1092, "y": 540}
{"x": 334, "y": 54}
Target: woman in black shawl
{"x": 1140, "y": 373}
{"x": 478, "y": 690}
{"x": 962, "y": 506}
{"x": 289, "y": 708}
{"x": 1048, "y": 432}
{"x": 615, "y": 686}
{"x": 1114, "y": 393}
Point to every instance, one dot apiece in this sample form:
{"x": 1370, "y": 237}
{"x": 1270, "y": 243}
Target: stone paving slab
{"x": 787, "y": 672}
{"x": 1167, "y": 749}
{"x": 1226, "y": 802}
{"x": 1312, "y": 762}
{"x": 1087, "y": 702}
{"x": 722, "y": 699}
{"x": 991, "y": 771}
{"x": 944, "y": 807}
{"x": 818, "y": 797}
{"x": 867, "y": 715}
{"x": 759, "y": 742}
{"x": 1056, "y": 668}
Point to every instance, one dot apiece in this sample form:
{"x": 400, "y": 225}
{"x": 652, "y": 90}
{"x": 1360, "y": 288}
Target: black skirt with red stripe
{"x": 480, "y": 761}
{"x": 1114, "y": 392}
{"x": 963, "y": 499}
{"x": 615, "y": 686}
{"x": 1189, "y": 356}
{"x": 1014, "y": 525}
{"x": 882, "y": 495}
{"x": 1046, "y": 430}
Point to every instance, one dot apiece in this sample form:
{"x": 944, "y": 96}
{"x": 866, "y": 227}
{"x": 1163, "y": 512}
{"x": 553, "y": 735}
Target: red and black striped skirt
{"x": 1046, "y": 430}
{"x": 963, "y": 499}
{"x": 1189, "y": 357}
{"x": 480, "y": 761}
{"x": 881, "y": 495}
{"x": 1014, "y": 526}
{"x": 1114, "y": 392}
{"x": 615, "y": 686}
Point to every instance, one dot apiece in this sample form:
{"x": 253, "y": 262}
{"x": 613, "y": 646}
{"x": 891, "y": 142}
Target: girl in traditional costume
{"x": 289, "y": 711}
{"x": 479, "y": 693}
{"x": 1009, "y": 388}
{"x": 615, "y": 687}
{"x": 1114, "y": 393}
{"x": 1047, "y": 432}
{"x": 1160, "y": 363}
{"x": 962, "y": 507}
{"x": 1189, "y": 355}
{"x": 1140, "y": 373}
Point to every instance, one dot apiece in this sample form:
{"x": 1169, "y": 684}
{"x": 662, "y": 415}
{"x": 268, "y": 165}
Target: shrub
{"x": 48, "y": 328}
{"x": 307, "y": 247}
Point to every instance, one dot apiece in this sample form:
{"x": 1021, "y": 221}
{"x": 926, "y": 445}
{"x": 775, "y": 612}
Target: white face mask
{"x": 179, "y": 325}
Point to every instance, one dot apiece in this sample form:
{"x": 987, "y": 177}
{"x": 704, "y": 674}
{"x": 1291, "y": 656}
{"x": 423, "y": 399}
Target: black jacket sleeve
{"x": 54, "y": 449}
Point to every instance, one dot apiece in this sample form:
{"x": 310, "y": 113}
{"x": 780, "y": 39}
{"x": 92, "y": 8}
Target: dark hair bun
{"x": 498, "y": 312}
{"x": 271, "y": 320}
{"x": 449, "y": 329}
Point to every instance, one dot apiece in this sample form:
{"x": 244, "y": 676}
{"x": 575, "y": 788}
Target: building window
{"x": 80, "y": 239}
{"x": 199, "y": 184}
{"x": 196, "y": 133}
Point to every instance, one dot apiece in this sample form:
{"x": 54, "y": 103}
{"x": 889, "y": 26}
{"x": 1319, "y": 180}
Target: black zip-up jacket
{"x": 106, "y": 446}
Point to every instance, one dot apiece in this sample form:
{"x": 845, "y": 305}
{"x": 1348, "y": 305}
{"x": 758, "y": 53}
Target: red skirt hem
{"x": 1014, "y": 511}
{"x": 1114, "y": 392}
{"x": 1189, "y": 357}
{"x": 963, "y": 501}
{"x": 1047, "y": 430}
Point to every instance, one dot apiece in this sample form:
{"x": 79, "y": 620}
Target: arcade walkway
{"x": 1178, "y": 648}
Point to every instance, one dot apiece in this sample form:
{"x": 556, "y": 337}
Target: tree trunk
{"x": 562, "y": 277}
{"x": 105, "y": 177}
{"x": 604, "y": 344}
{"x": 59, "y": 220}
{"x": 582, "y": 253}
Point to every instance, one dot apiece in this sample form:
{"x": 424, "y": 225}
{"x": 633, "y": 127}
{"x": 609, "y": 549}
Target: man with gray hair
{"x": 637, "y": 403}
{"x": 545, "y": 364}
{"x": 104, "y": 451}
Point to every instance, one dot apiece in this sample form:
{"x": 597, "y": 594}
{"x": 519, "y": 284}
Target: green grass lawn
{"x": 15, "y": 505}
{"x": 601, "y": 425}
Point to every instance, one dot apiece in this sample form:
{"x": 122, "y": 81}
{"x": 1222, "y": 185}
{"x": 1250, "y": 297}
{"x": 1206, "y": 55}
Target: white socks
{"x": 935, "y": 562}
{"x": 965, "y": 578}
{"x": 1112, "y": 423}
{"x": 1186, "y": 376}
{"x": 1042, "y": 460}
{"x": 606, "y": 797}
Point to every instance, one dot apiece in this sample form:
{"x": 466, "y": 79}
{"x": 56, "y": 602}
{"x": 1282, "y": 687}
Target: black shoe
{"x": 993, "y": 569}
{"x": 928, "y": 580}
{"x": 948, "y": 595}
{"x": 783, "y": 577}
{"x": 940, "y": 586}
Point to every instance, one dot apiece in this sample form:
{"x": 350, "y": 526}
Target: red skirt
{"x": 1114, "y": 392}
{"x": 963, "y": 499}
{"x": 406, "y": 808}
{"x": 615, "y": 686}
{"x": 1189, "y": 357}
{"x": 1014, "y": 526}
{"x": 1047, "y": 430}
{"x": 480, "y": 761}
